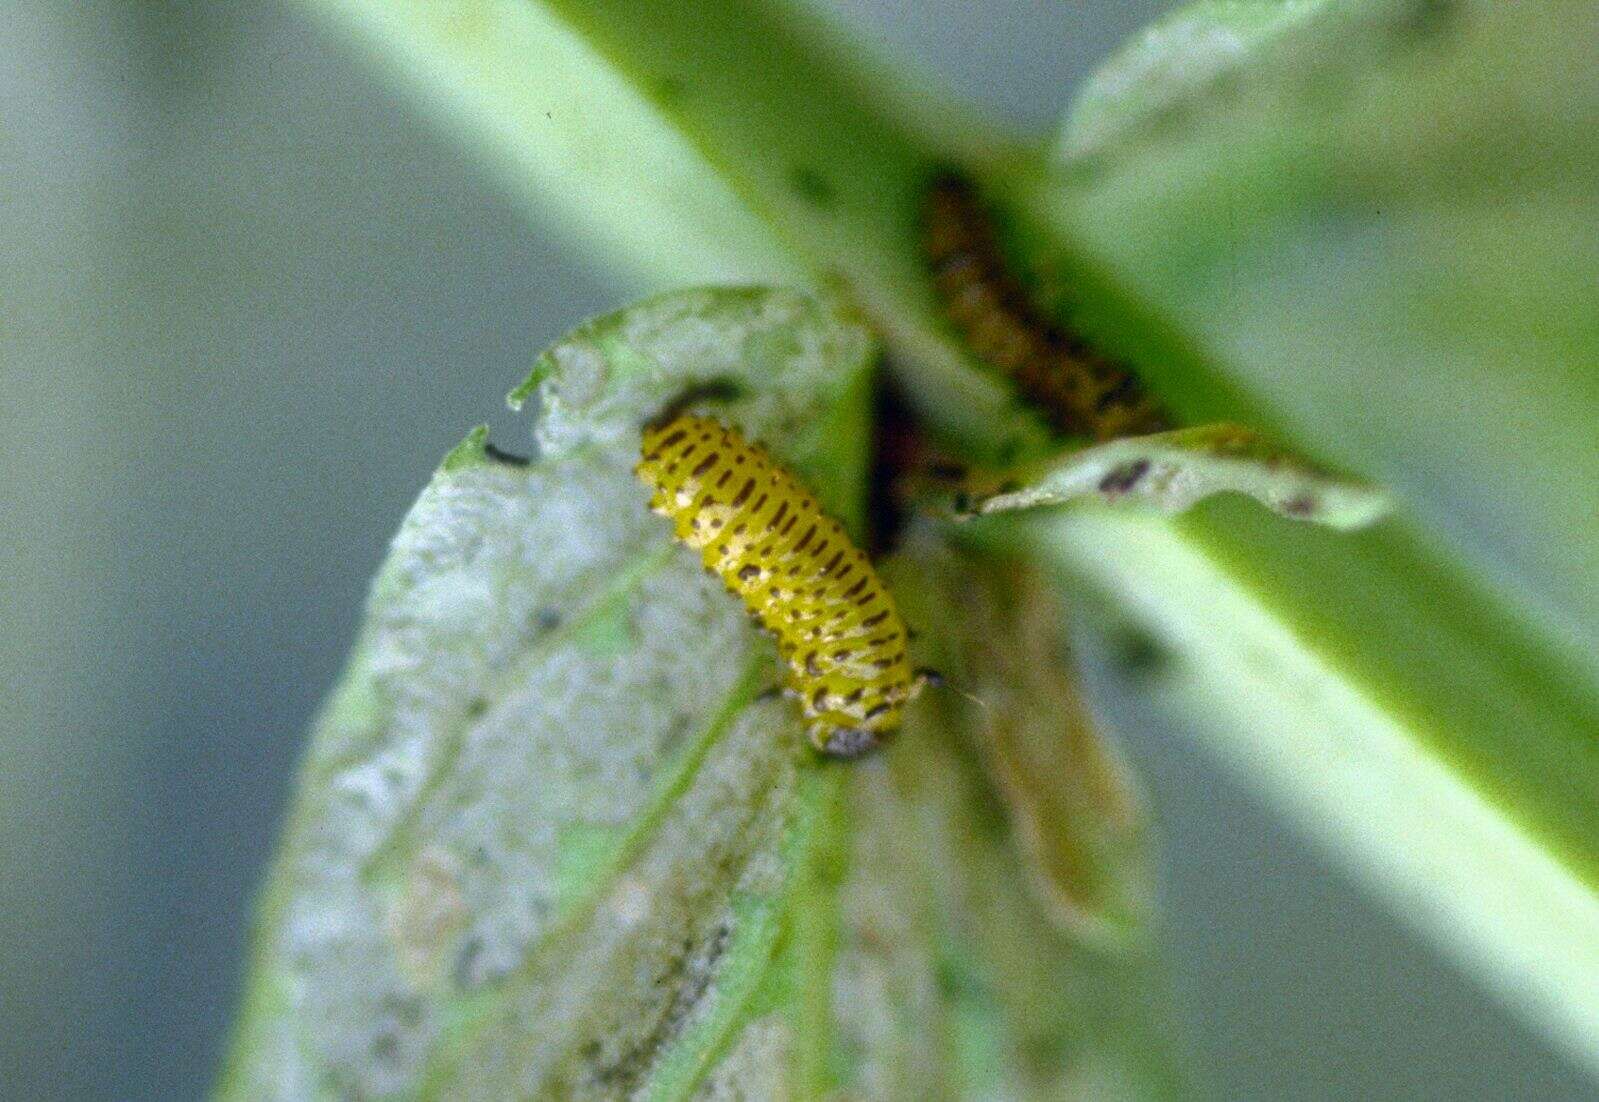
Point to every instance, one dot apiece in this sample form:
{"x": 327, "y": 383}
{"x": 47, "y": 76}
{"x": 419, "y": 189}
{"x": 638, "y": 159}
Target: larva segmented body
{"x": 765, "y": 535}
{"x": 1079, "y": 390}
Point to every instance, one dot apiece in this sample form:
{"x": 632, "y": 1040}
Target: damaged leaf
{"x": 555, "y": 839}
{"x": 1172, "y": 471}
{"x": 548, "y": 824}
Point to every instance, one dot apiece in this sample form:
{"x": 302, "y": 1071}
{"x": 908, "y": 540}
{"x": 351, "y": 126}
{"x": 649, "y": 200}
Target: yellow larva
{"x": 767, "y": 538}
{"x": 1079, "y": 390}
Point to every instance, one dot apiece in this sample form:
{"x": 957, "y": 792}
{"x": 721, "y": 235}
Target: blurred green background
{"x": 247, "y": 300}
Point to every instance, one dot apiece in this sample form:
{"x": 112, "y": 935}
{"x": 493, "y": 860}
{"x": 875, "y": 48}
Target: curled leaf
{"x": 1172, "y": 471}
{"x": 1075, "y": 815}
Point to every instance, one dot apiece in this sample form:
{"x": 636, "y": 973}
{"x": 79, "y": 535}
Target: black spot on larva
{"x": 748, "y": 572}
{"x": 874, "y": 620}
{"x": 1303, "y": 505}
{"x": 1121, "y": 479}
{"x": 705, "y": 464}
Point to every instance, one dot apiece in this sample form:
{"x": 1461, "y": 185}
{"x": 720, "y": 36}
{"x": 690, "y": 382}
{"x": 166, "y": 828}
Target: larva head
{"x": 844, "y": 742}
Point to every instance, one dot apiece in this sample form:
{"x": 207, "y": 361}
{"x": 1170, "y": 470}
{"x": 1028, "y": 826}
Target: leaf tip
{"x": 470, "y": 452}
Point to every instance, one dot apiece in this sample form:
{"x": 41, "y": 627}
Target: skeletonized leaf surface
{"x": 545, "y": 827}
{"x": 1171, "y": 471}
{"x": 553, "y": 841}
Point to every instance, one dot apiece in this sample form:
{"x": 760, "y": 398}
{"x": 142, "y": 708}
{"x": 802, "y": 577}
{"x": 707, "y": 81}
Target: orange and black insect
{"x": 1080, "y": 391}
{"x": 765, "y": 535}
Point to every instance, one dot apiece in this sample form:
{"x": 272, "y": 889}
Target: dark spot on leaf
{"x": 1303, "y": 505}
{"x": 476, "y": 707}
{"x": 464, "y": 973}
{"x": 1120, "y": 480}
{"x": 1136, "y": 652}
{"x": 957, "y": 983}
{"x": 625, "y": 1071}
{"x": 546, "y": 619}
{"x": 1226, "y": 86}
{"x": 1424, "y": 20}
{"x": 811, "y": 186}
{"x": 670, "y": 89}
{"x": 1170, "y": 120}
{"x": 406, "y": 1010}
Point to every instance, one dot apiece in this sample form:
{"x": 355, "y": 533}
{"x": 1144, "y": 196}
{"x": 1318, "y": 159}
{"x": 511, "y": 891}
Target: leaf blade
{"x": 496, "y": 847}
{"x": 1171, "y": 472}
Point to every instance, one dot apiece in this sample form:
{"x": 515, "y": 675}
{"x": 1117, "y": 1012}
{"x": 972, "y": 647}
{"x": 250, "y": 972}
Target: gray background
{"x": 247, "y": 300}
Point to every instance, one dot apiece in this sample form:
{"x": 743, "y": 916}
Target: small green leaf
{"x": 1172, "y": 471}
{"x": 1187, "y": 52}
{"x": 1374, "y": 240}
